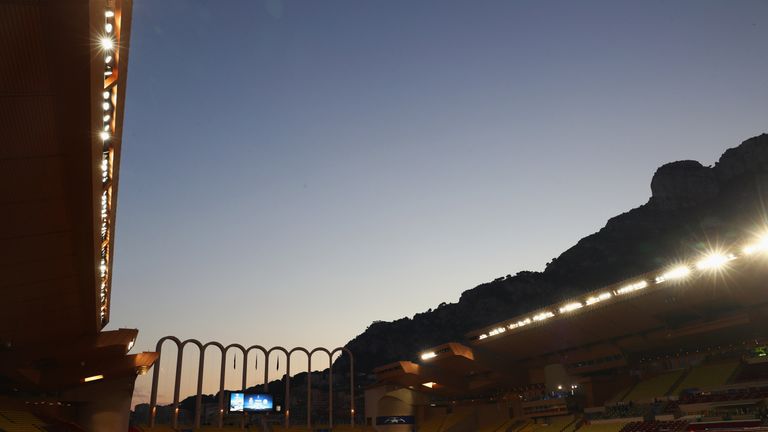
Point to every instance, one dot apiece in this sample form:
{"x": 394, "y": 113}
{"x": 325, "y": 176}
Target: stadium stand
{"x": 556, "y": 424}
{"x": 708, "y": 376}
{"x": 653, "y": 387}
{"x": 502, "y": 426}
{"x": 603, "y": 427}
{"x": 661, "y": 351}
{"x": 157, "y": 428}
{"x": 343, "y": 428}
{"x": 454, "y": 420}
{"x": 20, "y": 421}
{"x": 655, "y": 426}
{"x": 745, "y": 393}
{"x": 622, "y": 411}
{"x": 526, "y": 427}
{"x": 434, "y": 424}
{"x": 574, "y": 425}
{"x": 752, "y": 372}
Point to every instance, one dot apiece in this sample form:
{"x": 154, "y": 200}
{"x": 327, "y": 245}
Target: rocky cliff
{"x": 691, "y": 206}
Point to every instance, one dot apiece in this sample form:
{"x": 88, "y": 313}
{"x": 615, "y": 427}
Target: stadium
{"x": 683, "y": 348}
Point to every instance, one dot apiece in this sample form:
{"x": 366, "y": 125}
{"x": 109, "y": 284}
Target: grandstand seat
{"x": 159, "y": 428}
{"x": 653, "y": 387}
{"x": 725, "y": 395}
{"x": 753, "y": 372}
{"x": 556, "y": 424}
{"x": 20, "y": 421}
{"x": 500, "y": 426}
{"x": 603, "y": 427}
{"x": 706, "y": 376}
{"x": 454, "y": 419}
{"x": 655, "y": 426}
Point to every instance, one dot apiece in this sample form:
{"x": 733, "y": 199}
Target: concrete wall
{"x": 103, "y": 406}
{"x": 393, "y": 401}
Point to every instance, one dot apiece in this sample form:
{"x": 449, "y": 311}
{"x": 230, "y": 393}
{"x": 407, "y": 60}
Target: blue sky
{"x": 295, "y": 170}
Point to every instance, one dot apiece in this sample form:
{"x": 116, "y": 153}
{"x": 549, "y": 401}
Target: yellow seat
{"x": 20, "y": 421}
{"x": 712, "y": 375}
{"x": 556, "y": 424}
{"x": 656, "y": 386}
{"x": 603, "y": 427}
{"x": 432, "y": 425}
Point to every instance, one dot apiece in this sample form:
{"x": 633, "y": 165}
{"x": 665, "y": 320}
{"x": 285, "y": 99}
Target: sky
{"x": 294, "y": 170}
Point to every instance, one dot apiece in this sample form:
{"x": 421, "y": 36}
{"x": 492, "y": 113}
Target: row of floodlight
{"x": 108, "y": 45}
{"x": 712, "y": 261}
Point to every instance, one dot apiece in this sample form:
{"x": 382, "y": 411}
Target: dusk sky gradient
{"x": 294, "y": 170}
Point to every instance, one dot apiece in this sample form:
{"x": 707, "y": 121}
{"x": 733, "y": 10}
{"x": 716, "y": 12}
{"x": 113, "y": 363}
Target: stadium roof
{"x": 716, "y": 299}
{"x": 63, "y": 66}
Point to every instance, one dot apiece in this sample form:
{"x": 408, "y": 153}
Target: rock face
{"x": 751, "y": 156}
{"x": 683, "y": 184}
{"x": 690, "y": 205}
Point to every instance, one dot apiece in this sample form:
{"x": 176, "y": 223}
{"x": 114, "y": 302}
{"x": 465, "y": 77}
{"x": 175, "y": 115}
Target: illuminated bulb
{"x": 107, "y": 44}
{"x": 105, "y": 95}
{"x": 542, "y": 316}
{"x": 429, "y": 384}
{"x": 109, "y": 14}
{"x": 108, "y": 59}
{"x": 596, "y": 299}
{"x": 106, "y": 117}
{"x": 93, "y": 378}
{"x": 108, "y": 73}
{"x": 571, "y": 307}
{"x": 676, "y": 273}
{"x": 519, "y": 324}
{"x": 429, "y": 355}
{"x": 108, "y": 27}
{"x": 632, "y": 287}
{"x": 713, "y": 261}
{"x": 496, "y": 331}
{"x": 761, "y": 245}
{"x": 106, "y": 127}
{"x": 104, "y": 135}
{"x": 106, "y": 106}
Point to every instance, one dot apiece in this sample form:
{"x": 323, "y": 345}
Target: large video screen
{"x": 250, "y": 402}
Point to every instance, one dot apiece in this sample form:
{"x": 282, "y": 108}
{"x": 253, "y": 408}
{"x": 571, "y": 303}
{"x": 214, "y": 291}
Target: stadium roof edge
{"x": 625, "y": 289}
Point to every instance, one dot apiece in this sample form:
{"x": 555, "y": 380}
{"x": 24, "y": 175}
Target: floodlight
{"x": 93, "y": 378}
{"x": 598, "y": 298}
{"x": 571, "y": 307}
{"x": 759, "y": 246}
{"x": 632, "y": 287}
{"x": 107, "y": 43}
{"x": 675, "y": 273}
{"x": 713, "y": 261}
{"x": 428, "y": 355}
